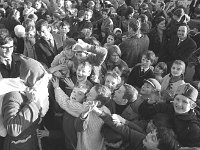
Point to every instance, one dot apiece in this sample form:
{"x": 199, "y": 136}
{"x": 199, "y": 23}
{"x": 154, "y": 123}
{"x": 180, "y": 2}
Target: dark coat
{"x": 12, "y": 72}
{"x": 132, "y": 49}
{"x": 186, "y": 126}
{"x": 21, "y": 119}
{"x": 136, "y": 79}
{"x": 44, "y": 52}
{"x": 173, "y": 51}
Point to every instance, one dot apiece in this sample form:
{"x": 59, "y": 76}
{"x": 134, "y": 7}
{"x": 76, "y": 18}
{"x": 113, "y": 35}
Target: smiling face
{"x": 151, "y": 142}
{"x": 182, "y": 104}
{"x": 145, "y": 63}
{"x": 177, "y": 70}
{"x": 111, "y": 82}
{"x": 161, "y": 25}
{"x": 146, "y": 89}
{"x": 83, "y": 72}
{"x": 182, "y": 32}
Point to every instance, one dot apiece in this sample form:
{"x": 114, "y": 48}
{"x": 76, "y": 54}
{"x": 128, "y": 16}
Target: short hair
{"x": 5, "y": 39}
{"x": 103, "y": 93}
{"x": 167, "y": 139}
{"x": 131, "y": 93}
{"x": 163, "y": 66}
{"x": 33, "y": 17}
{"x": 86, "y": 64}
{"x": 2, "y": 13}
{"x": 134, "y": 25}
{"x": 88, "y": 10}
{"x": 114, "y": 75}
{"x": 150, "y": 55}
{"x": 107, "y": 11}
{"x": 40, "y": 24}
{"x": 143, "y": 17}
{"x": 181, "y": 63}
{"x": 64, "y": 23}
{"x": 129, "y": 10}
{"x": 159, "y": 20}
{"x": 179, "y": 12}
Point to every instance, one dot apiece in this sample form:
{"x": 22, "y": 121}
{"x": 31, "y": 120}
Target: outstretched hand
{"x": 69, "y": 83}
{"x": 55, "y": 82}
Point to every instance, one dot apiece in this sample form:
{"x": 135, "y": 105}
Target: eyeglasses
{"x": 6, "y": 48}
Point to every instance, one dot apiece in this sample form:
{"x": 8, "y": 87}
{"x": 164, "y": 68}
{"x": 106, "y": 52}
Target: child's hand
{"x": 69, "y": 83}
{"x": 118, "y": 119}
{"x": 95, "y": 79}
{"x": 42, "y": 133}
{"x": 55, "y": 82}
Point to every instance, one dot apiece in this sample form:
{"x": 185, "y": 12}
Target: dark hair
{"x": 159, "y": 20}
{"x": 103, "y": 93}
{"x": 129, "y": 10}
{"x": 40, "y": 24}
{"x": 131, "y": 93}
{"x": 107, "y": 10}
{"x": 64, "y": 23}
{"x": 5, "y": 39}
{"x": 134, "y": 25}
{"x": 179, "y": 12}
{"x": 33, "y": 16}
{"x": 167, "y": 139}
{"x": 143, "y": 17}
{"x": 163, "y": 66}
{"x": 150, "y": 55}
{"x": 28, "y": 22}
{"x": 2, "y": 13}
{"x": 114, "y": 75}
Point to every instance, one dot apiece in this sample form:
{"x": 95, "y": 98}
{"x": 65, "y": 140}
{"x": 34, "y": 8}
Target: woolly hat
{"x": 69, "y": 43}
{"x": 30, "y": 71}
{"x": 117, "y": 29}
{"x": 188, "y": 91}
{"x": 154, "y": 83}
{"x": 114, "y": 49}
{"x": 19, "y": 31}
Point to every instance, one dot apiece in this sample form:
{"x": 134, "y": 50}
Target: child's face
{"x": 104, "y": 15}
{"x": 158, "y": 70}
{"x": 118, "y": 71}
{"x": 118, "y": 96}
{"x": 68, "y": 52}
{"x": 151, "y": 141}
{"x": 114, "y": 57}
{"x": 118, "y": 33}
{"x": 146, "y": 88}
{"x": 91, "y": 95}
{"x": 110, "y": 39}
{"x": 30, "y": 34}
{"x": 182, "y": 104}
{"x": 88, "y": 15}
{"x": 111, "y": 82}
{"x": 64, "y": 29}
{"x": 78, "y": 94}
{"x": 176, "y": 70}
{"x": 83, "y": 72}
{"x": 146, "y": 63}
{"x": 48, "y": 18}
{"x": 154, "y": 98}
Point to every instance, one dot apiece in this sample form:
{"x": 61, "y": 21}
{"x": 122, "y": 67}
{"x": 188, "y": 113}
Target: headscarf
{"x": 33, "y": 77}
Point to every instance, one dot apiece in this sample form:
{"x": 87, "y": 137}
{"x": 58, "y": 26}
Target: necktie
{"x": 8, "y": 63}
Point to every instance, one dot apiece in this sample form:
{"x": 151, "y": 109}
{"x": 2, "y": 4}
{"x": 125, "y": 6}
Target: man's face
{"x": 151, "y": 141}
{"x": 182, "y": 32}
{"x": 45, "y": 32}
{"x": 146, "y": 88}
{"x": 182, "y": 104}
{"x": 6, "y": 50}
{"x": 78, "y": 94}
{"x": 118, "y": 96}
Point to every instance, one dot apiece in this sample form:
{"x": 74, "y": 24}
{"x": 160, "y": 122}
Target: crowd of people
{"x": 99, "y": 75}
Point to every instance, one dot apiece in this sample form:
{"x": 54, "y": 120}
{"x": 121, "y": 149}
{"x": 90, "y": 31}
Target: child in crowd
{"x": 171, "y": 81}
{"x": 150, "y": 86}
{"x": 110, "y": 40}
{"x": 64, "y": 29}
{"x": 181, "y": 111}
{"x": 160, "y": 71}
{"x": 28, "y": 9}
{"x": 66, "y": 57}
{"x": 142, "y": 71}
{"x": 118, "y": 35}
{"x": 89, "y": 124}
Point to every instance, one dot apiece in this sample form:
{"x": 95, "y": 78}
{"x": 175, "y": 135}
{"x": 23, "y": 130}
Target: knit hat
{"x": 117, "y": 29}
{"x": 114, "y": 49}
{"x": 188, "y": 91}
{"x": 69, "y": 43}
{"x": 30, "y": 71}
{"x": 19, "y": 31}
{"x": 154, "y": 83}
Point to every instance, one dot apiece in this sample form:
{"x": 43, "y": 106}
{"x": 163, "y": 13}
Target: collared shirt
{"x": 6, "y": 61}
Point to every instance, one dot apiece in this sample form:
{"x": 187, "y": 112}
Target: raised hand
{"x": 55, "y": 82}
{"x": 69, "y": 83}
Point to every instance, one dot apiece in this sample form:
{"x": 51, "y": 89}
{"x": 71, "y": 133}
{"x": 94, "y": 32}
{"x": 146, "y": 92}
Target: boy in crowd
{"x": 186, "y": 124}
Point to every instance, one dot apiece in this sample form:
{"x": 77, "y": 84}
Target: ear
{"x": 124, "y": 101}
{"x": 193, "y": 105}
